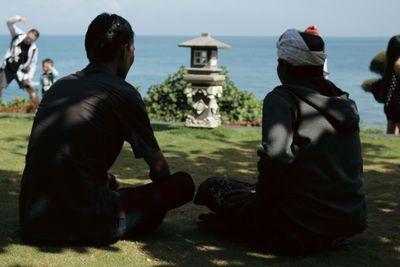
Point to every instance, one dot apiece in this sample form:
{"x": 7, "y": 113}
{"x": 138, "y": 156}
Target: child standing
{"x": 49, "y": 75}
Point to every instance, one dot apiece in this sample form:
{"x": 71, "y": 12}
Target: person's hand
{"x": 26, "y": 70}
{"x": 396, "y": 67}
{"x": 24, "y": 20}
{"x": 158, "y": 166}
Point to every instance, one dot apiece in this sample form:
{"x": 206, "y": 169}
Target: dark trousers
{"x": 240, "y": 214}
{"x": 145, "y": 206}
{"x": 143, "y": 209}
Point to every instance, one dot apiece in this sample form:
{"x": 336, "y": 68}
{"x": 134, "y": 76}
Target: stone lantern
{"x": 205, "y": 80}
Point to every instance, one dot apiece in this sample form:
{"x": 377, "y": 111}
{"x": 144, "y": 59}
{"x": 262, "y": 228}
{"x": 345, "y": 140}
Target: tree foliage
{"x": 377, "y": 65}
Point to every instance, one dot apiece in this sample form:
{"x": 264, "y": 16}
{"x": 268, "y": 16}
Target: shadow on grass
{"x": 20, "y": 144}
{"x": 9, "y": 225}
{"x": 9, "y": 188}
{"x": 179, "y": 243}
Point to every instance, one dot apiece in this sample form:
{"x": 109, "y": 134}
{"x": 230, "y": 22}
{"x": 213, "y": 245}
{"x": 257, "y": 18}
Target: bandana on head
{"x": 293, "y": 49}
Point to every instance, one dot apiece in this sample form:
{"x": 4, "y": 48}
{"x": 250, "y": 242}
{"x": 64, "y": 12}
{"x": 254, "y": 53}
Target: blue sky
{"x": 218, "y": 17}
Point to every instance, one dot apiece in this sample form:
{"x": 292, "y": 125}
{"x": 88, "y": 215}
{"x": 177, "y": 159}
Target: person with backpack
{"x": 308, "y": 194}
{"x": 20, "y": 59}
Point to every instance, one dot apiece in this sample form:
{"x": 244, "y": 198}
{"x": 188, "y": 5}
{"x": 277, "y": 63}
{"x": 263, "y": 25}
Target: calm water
{"x": 251, "y": 62}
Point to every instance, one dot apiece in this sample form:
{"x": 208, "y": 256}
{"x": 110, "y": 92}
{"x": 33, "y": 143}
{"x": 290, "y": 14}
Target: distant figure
{"x": 20, "y": 59}
{"x": 49, "y": 75}
{"x": 308, "y": 196}
{"x": 387, "y": 89}
{"x": 67, "y": 194}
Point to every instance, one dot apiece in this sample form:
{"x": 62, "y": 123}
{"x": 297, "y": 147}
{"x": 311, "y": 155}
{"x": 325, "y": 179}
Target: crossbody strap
{"x": 296, "y": 121}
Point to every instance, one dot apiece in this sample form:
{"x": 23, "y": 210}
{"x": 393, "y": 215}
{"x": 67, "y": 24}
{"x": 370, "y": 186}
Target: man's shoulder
{"x": 281, "y": 96}
{"x": 34, "y": 46}
{"x": 279, "y": 92}
{"x": 118, "y": 86}
{"x": 107, "y": 83}
{"x": 130, "y": 94}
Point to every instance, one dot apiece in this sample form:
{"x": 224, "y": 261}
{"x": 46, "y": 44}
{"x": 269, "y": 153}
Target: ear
{"x": 283, "y": 70}
{"x": 284, "y": 66}
{"x": 121, "y": 51}
{"x": 124, "y": 49}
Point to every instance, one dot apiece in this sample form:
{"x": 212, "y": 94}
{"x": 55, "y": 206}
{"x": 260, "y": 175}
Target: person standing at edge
{"x": 67, "y": 195}
{"x": 309, "y": 191}
{"x": 20, "y": 59}
{"x": 387, "y": 89}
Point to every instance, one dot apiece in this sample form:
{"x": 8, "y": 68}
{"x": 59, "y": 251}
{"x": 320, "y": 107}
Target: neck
{"x": 112, "y": 67}
{"x": 306, "y": 72}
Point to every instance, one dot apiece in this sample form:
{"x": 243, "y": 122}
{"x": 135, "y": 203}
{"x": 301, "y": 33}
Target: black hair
{"x": 313, "y": 42}
{"x": 105, "y": 34}
{"x": 35, "y": 32}
{"x": 49, "y": 60}
{"x": 392, "y": 54}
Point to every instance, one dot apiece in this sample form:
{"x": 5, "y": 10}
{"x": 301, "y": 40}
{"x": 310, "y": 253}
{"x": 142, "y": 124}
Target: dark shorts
{"x": 6, "y": 77}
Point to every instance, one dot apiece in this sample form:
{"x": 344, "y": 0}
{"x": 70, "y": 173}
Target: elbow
{"x": 12, "y": 20}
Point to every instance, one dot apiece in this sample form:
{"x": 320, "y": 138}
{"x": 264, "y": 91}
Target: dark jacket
{"x": 311, "y": 163}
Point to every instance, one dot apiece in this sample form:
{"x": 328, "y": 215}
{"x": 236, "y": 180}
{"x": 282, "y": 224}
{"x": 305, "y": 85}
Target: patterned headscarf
{"x": 293, "y": 49}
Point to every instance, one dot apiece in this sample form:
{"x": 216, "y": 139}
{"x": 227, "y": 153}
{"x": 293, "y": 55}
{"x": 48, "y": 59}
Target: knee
{"x": 184, "y": 181}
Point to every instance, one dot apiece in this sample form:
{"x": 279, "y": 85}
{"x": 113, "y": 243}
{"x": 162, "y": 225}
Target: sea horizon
{"x": 219, "y": 35}
{"x": 251, "y": 62}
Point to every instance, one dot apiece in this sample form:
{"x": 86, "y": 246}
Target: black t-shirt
{"x": 77, "y": 134}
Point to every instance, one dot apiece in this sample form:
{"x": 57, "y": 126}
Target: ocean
{"x": 251, "y": 62}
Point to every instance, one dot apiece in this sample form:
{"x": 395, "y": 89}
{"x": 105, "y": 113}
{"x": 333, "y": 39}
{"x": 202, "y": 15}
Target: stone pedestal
{"x": 205, "y": 106}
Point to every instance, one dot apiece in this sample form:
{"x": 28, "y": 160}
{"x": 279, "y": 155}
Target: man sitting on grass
{"x": 308, "y": 195}
{"x": 67, "y": 195}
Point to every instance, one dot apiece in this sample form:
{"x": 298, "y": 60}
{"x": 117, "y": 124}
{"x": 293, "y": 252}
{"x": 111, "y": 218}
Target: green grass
{"x": 177, "y": 242}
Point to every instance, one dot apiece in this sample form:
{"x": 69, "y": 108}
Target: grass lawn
{"x": 178, "y": 242}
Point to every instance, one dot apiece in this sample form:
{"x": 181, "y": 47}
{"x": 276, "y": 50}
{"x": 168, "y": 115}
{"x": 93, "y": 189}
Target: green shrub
{"x": 367, "y": 84}
{"x": 168, "y": 102}
{"x": 17, "y": 104}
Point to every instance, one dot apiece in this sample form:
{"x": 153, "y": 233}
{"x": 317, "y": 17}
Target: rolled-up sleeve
{"x": 14, "y": 30}
{"x": 136, "y": 126}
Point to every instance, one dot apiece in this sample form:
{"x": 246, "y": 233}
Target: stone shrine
{"x": 205, "y": 80}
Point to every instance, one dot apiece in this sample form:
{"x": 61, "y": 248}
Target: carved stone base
{"x": 205, "y": 106}
{"x": 208, "y": 122}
